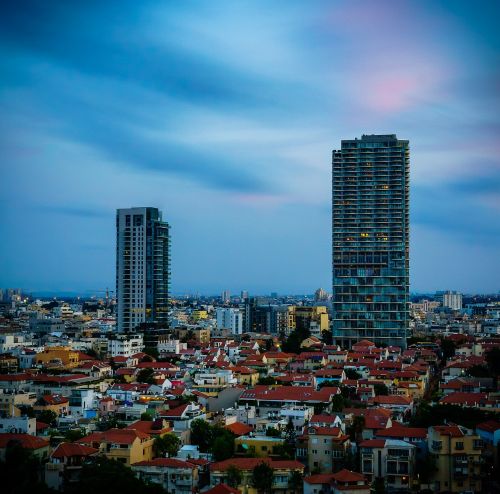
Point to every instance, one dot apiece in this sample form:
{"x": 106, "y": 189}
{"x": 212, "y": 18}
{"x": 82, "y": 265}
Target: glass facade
{"x": 142, "y": 267}
{"x": 370, "y": 219}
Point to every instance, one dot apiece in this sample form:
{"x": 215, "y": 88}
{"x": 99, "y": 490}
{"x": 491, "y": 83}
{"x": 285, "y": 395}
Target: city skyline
{"x": 224, "y": 117}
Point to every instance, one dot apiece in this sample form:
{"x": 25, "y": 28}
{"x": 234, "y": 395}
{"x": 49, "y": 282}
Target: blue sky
{"x": 224, "y": 115}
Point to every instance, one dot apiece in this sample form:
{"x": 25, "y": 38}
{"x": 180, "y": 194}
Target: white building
{"x": 452, "y": 300}
{"x": 18, "y": 425}
{"x": 168, "y": 345}
{"x": 230, "y": 318}
{"x": 125, "y": 345}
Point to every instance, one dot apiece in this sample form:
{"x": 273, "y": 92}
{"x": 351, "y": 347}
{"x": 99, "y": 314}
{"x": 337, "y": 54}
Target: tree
{"x": 146, "y": 376}
{"x": 73, "y": 435}
{"x": 380, "y": 389}
{"x": 201, "y": 434}
{"x": 146, "y": 417}
{"x": 425, "y": 467}
{"x": 378, "y": 486}
{"x": 357, "y": 427}
{"x": 112, "y": 477}
{"x": 234, "y": 476}
{"x": 222, "y": 446}
{"x": 327, "y": 337}
{"x": 21, "y": 471}
{"x": 273, "y": 432}
{"x": 167, "y": 445}
{"x": 448, "y": 348}
{"x": 338, "y": 403}
{"x": 290, "y": 439}
{"x": 352, "y": 374}
{"x": 48, "y": 417}
{"x": 295, "y": 482}
{"x": 262, "y": 477}
{"x": 493, "y": 362}
{"x": 267, "y": 380}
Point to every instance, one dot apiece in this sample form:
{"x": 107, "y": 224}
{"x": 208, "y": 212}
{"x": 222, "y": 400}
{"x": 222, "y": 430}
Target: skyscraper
{"x": 142, "y": 267}
{"x": 371, "y": 240}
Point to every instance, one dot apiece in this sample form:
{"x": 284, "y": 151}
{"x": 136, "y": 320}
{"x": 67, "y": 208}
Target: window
{"x": 459, "y": 445}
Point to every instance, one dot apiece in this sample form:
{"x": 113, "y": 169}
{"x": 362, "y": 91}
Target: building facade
{"x": 370, "y": 199}
{"x": 229, "y": 318}
{"x": 142, "y": 267}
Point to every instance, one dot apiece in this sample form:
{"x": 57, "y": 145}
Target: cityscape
{"x": 212, "y": 354}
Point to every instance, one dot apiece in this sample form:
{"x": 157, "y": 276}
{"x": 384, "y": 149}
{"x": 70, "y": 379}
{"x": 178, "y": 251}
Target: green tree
{"x": 21, "y": 471}
{"x": 290, "y": 444}
{"x": 493, "y": 362}
{"x": 48, "y": 417}
{"x": 352, "y": 374}
{"x": 222, "y": 446}
{"x": 267, "y": 380}
{"x": 146, "y": 376}
{"x": 327, "y": 337}
{"x": 262, "y": 478}
{"x": 111, "y": 477}
{"x": 167, "y": 445}
{"x": 425, "y": 467}
{"x": 234, "y": 476}
{"x": 147, "y": 417}
{"x": 296, "y": 482}
{"x": 273, "y": 432}
{"x": 338, "y": 403}
{"x": 380, "y": 389}
{"x": 201, "y": 434}
{"x": 73, "y": 435}
{"x": 378, "y": 486}
{"x": 448, "y": 348}
{"x": 357, "y": 427}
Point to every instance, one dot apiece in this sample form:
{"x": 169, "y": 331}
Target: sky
{"x": 224, "y": 115}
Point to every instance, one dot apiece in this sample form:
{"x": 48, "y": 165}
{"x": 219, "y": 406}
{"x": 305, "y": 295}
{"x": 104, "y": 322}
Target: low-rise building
{"x": 457, "y": 451}
{"x": 282, "y": 470}
{"x": 175, "y": 476}
{"x": 127, "y": 446}
{"x": 389, "y": 459}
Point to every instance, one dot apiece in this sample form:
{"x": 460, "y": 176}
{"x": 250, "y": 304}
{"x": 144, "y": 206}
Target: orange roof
{"x": 348, "y": 476}
{"x": 26, "y": 441}
{"x": 239, "y": 429}
{"x": 118, "y": 436}
{"x": 64, "y": 450}
{"x": 165, "y": 462}
{"x": 222, "y": 489}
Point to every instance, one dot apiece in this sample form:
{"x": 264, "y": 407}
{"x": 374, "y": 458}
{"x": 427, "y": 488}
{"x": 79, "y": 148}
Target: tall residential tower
{"x": 371, "y": 240}
{"x": 142, "y": 267}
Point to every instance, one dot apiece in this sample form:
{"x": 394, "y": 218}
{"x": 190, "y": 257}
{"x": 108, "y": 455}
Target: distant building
{"x": 229, "y": 318}
{"x": 371, "y": 240}
{"x": 320, "y": 295}
{"x": 451, "y": 300}
{"x": 142, "y": 267}
{"x": 226, "y": 297}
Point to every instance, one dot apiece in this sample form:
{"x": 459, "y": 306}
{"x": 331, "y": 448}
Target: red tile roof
{"x": 222, "y": 489}
{"x": 290, "y": 393}
{"x": 117, "y": 436}
{"x": 65, "y": 450}
{"x": 489, "y": 426}
{"x": 239, "y": 429}
{"x": 26, "y": 441}
{"x": 165, "y": 462}
{"x": 345, "y": 475}
{"x": 400, "y": 432}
